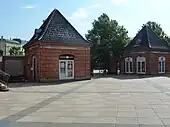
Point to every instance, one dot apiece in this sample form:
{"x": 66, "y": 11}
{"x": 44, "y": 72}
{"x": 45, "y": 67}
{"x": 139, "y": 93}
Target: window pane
{"x": 70, "y": 73}
{"x": 63, "y": 67}
{"x": 127, "y": 66}
{"x": 70, "y": 69}
{"x": 143, "y": 66}
{"x": 163, "y": 66}
{"x": 160, "y": 66}
{"x": 138, "y": 67}
{"x": 70, "y": 65}
{"x": 131, "y": 67}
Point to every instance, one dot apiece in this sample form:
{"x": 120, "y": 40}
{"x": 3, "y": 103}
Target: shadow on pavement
{"x": 125, "y": 77}
{"x": 30, "y": 84}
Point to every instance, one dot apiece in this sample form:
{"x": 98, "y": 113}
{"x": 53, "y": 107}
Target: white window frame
{"x": 140, "y": 59}
{"x": 128, "y": 60}
{"x": 162, "y": 60}
{"x": 63, "y": 78}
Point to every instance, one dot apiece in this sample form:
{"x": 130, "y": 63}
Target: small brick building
{"x": 57, "y": 52}
{"x": 146, "y": 54}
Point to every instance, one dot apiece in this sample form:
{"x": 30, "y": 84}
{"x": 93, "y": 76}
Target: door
{"x": 70, "y": 69}
{"x": 66, "y": 69}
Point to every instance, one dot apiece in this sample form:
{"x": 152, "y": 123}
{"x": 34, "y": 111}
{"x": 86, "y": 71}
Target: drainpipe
{"x": 85, "y": 62}
{"x": 39, "y": 62}
{"x": 149, "y": 69}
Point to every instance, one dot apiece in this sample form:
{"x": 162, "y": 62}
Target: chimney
{"x": 44, "y": 20}
{"x": 35, "y": 31}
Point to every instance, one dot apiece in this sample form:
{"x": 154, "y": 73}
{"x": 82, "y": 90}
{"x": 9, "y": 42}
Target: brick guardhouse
{"x": 57, "y": 52}
{"x": 146, "y": 54}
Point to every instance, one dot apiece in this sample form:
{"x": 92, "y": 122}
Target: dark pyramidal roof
{"x": 56, "y": 28}
{"x": 147, "y": 38}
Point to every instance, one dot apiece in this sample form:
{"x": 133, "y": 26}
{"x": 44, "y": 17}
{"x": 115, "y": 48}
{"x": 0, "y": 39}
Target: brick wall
{"x": 29, "y": 53}
{"x": 48, "y": 60}
{"x": 134, "y": 56}
{"x": 151, "y": 61}
{"x": 154, "y": 59}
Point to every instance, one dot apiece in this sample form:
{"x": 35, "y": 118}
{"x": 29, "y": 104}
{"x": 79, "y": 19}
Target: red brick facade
{"x": 47, "y": 60}
{"x": 152, "y": 61}
{"x": 147, "y": 53}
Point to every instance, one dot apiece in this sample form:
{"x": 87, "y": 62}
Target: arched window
{"x": 161, "y": 65}
{"x": 128, "y": 65}
{"x": 141, "y": 65}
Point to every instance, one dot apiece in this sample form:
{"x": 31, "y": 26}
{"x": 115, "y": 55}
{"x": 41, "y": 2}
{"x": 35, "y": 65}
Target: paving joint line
{"x": 34, "y": 108}
{"x": 77, "y": 92}
{"x": 48, "y": 124}
{"x": 160, "y": 88}
{"x": 157, "y": 115}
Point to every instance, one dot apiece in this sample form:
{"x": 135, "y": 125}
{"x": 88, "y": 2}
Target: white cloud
{"x": 82, "y": 18}
{"x": 29, "y": 6}
{"x": 95, "y": 6}
{"x": 83, "y": 13}
{"x": 80, "y": 13}
{"x": 119, "y": 2}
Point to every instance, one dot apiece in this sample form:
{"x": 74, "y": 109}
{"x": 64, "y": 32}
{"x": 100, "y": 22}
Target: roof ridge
{"x": 158, "y": 36}
{"x": 43, "y": 34}
{"x": 47, "y": 24}
{"x": 149, "y": 42}
{"x": 72, "y": 26}
{"x": 133, "y": 38}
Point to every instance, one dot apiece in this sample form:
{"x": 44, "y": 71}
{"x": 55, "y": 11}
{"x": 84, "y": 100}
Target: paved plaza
{"x": 104, "y": 102}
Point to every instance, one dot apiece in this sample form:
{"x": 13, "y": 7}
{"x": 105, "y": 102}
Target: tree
{"x": 156, "y": 27}
{"x": 112, "y": 38}
{"x": 1, "y": 52}
{"x": 15, "y": 51}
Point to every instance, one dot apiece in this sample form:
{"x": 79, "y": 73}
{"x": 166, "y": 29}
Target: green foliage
{"x": 1, "y": 52}
{"x": 113, "y": 38}
{"x": 15, "y": 51}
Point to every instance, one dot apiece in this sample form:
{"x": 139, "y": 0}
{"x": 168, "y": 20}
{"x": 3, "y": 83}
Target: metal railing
{"x": 4, "y": 77}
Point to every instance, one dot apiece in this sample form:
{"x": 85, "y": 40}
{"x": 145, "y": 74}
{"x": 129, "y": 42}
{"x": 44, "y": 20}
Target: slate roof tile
{"x": 148, "y": 39}
{"x": 56, "y": 28}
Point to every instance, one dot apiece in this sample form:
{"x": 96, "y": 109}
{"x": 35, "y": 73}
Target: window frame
{"x": 129, "y": 62}
{"x": 139, "y": 69}
{"x": 161, "y": 65}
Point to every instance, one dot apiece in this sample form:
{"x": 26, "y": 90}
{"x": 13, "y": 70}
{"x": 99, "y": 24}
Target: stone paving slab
{"x": 127, "y": 121}
{"x": 150, "y": 121}
{"x": 3, "y": 123}
{"x": 100, "y": 102}
{"x": 44, "y": 124}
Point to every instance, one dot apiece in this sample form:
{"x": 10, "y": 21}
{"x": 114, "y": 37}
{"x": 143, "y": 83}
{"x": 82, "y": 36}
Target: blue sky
{"x": 19, "y": 18}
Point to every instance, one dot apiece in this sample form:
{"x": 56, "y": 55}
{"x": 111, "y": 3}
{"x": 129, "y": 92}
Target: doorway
{"x": 66, "y": 68}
